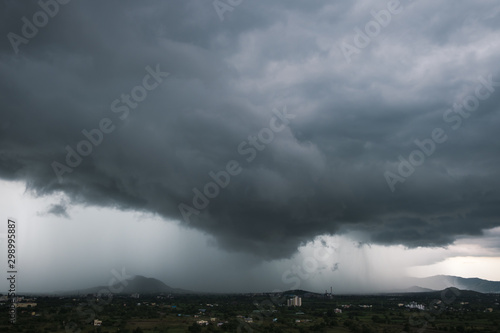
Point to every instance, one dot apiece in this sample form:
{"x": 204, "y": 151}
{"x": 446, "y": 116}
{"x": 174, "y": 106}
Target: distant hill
{"x": 138, "y": 284}
{"x": 455, "y": 292}
{"x": 414, "y": 289}
{"x": 440, "y": 282}
{"x": 447, "y": 293}
{"x": 299, "y": 292}
{"x": 143, "y": 285}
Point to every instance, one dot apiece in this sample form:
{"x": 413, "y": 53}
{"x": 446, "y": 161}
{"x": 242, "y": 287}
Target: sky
{"x": 241, "y": 146}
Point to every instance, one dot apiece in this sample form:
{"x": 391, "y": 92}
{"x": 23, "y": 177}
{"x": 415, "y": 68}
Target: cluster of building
{"x": 413, "y": 305}
{"x": 20, "y": 301}
{"x": 203, "y": 322}
{"x": 245, "y": 319}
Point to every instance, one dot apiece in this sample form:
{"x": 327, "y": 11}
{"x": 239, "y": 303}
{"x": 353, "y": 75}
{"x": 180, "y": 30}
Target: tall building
{"x": 295, "y": 301}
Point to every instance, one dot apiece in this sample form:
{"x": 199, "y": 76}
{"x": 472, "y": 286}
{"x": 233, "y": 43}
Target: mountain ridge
{"x": 439, "y": 282}
{"x": 147, "y": 285}
{"x": 138, "y": 284}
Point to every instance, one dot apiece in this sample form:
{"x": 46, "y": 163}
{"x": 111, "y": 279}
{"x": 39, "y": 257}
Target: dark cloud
{"x": 58, "y": 210}
{"x": 323, "y": 174}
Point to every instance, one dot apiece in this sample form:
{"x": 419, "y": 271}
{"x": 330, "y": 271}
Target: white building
{"x": 296, "y": 301}
{"x": 414, "y": 305}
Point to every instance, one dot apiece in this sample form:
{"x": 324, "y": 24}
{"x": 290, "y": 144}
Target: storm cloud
{"x": 323, "y": 172}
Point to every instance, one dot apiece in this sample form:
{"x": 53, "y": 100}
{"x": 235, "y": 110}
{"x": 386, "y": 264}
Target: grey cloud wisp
{"x": 322, "y": 174}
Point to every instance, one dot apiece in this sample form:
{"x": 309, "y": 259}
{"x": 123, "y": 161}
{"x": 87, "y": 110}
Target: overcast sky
{"x": 250, "y": 145}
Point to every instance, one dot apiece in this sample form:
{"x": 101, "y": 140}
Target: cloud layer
{"x": 324, "y": 173}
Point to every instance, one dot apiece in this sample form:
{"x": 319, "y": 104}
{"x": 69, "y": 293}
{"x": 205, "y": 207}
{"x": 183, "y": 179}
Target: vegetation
{"x": 467, "y": 313}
